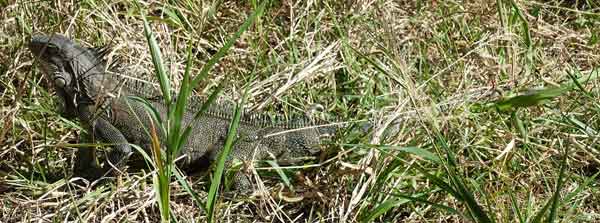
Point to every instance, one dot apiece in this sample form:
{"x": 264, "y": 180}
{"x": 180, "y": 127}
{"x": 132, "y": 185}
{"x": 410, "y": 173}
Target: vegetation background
{"x": 497, "y": 102}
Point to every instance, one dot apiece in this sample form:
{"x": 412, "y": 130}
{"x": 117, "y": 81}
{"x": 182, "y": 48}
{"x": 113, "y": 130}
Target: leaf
{"x": 529, "y": 98}
{"x": 537, "y": 96}
{"x": 423, "y": 153}
{"x": 163, "y": 80}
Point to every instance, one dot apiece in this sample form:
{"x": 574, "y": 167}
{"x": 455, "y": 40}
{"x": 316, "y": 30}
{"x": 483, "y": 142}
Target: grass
{"x": 492, "y": 108}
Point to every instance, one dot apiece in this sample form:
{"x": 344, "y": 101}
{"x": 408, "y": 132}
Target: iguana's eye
{"x": 60, "y": 81}
{"x": 51, "y": 49}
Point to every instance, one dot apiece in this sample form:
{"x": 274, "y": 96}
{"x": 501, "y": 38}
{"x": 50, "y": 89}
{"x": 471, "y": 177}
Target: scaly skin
{"x": 102, "y": 104}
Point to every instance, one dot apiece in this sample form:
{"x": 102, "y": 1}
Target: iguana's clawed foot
{"x": 89, "y": 176}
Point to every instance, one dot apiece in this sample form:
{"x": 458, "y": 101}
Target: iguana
{"x": 103, "y": 105}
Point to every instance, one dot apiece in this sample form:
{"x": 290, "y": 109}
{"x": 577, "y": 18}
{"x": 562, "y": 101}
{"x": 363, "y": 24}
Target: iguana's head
{"x": 77, "y": 72}
{"x": 63, "y": 60}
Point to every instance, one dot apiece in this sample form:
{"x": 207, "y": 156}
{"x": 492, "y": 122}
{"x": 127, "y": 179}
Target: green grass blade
{"x": 456, "y": 182}
{"x": 212, "y": 98}
{"x": 537, "y": 96}
{"x": 436, "y": 205}
{"x": 163, "y": 80}
{"x": 579, "y": 82}
{"x": 186, "y": 186}
{"x": 538, "y": 217}
{"x": 515, "y": 206}
{"x": 524, "y": 24}
{"x": 155, "y": 114}
{"x": 423, "y": 153}
{"x": 467, "y": 196}
{"x": 216, "y": 180}
{"x": 580, "y": 188}
{"x": 575, "y": 82}
{"x": 176, "y": 141}
{"x": 439, "y": 182}
{"x": 286, "y": 180}
{"x": 156, "y": 180}
{"x": 530, "y": 98}
{"x": 145, "y": 155}
{"x": 520, "y": 126}
{"x": 386, "y": 173}
{"x": 172, "y": 16}
{"x": 223, "y": 50}
{"x": 420, "y": 152}
{"x": 383, "y": 207}
{"x": 559, "y": 184}
{"x": 554, "y": 201}
{"x": 162, "y": 176}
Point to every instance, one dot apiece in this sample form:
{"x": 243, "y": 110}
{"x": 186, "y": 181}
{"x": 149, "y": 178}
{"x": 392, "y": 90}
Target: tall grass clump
{"x": 172, "y": 127}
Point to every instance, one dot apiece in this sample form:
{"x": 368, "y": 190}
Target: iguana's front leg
{"x": 86, "y": 164}
{"x": 240, "y": 151}
{"x": 244, "y": 150}
{"x": 103, "y": 132}
{"x": 107, "y": 133}
{"x": 65, "y": 105}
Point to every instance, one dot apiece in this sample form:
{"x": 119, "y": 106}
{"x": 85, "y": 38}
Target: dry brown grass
{"x": 434, "y": 64}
